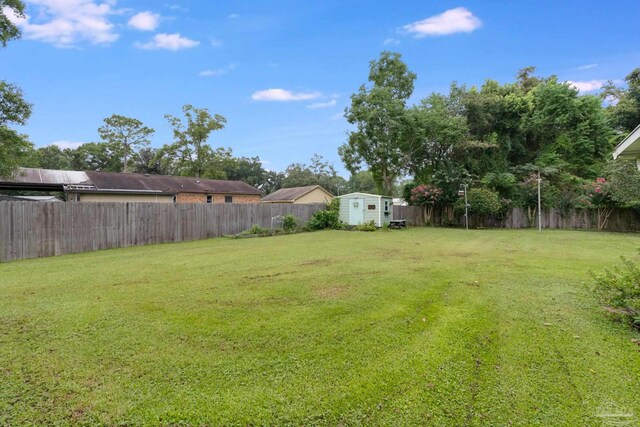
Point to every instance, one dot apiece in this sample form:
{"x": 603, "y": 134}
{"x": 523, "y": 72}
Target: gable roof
{"x": 292, "y": 194}
{"x": 90, "y": 181}
{"x": 379, "y": 196}
{"x": 629, "y": 148}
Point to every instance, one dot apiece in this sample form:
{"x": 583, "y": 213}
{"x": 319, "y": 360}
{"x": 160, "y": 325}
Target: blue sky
{"x": 281, "y": 72}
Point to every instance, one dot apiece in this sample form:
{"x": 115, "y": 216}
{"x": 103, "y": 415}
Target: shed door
{"x": 356, "y": 211}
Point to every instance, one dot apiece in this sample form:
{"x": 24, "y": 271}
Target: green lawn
{"x": 411, "y": 327}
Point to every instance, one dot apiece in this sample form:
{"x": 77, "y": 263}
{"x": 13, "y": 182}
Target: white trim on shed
{"x": 378, "y": 214}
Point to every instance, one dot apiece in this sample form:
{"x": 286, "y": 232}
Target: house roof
{"x": 168, "y": 184}
{"x": 57, "y": 180}
{"x": 629, "y": 148}
{"x": 292, "y": 194}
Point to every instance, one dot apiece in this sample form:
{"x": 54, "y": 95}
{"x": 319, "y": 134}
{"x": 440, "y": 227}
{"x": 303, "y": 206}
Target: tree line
{"x": 496, "y": 138}
{"x": 125, "y": 144}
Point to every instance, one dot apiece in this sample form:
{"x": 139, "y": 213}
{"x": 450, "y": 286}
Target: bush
{"x": 289, "y": 223}
{"x": 258, "y": 230}
{"x": 482, "y": 201}
{"x": 619, "y": 291}
{"x": 329, "y": 218}
{"x": 367, "y": 226}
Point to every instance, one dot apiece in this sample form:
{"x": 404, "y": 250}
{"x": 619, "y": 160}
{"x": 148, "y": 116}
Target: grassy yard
{"x": 410, "y": 327}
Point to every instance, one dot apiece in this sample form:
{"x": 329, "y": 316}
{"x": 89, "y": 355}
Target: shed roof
{"x": 365, "y": 195}
{"x": 292, "y": 194}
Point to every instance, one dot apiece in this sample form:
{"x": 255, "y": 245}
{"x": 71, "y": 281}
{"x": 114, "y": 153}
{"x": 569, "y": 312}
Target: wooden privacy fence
{"x": 32, "y": 230}
{"x": 621, "y": 220}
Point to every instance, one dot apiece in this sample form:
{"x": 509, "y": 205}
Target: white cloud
{"x": 67, "y": 144}
{"x": 145, "y": 21}
{"x": 588, "y": 85}
{"x": 64, "y": 23}
{"x": 458, "y": 20}
{"x": 176, "y": 7}
{"x": 390, "y": 41}
{"x": 234, "y": 16}
{"x": 283, "y": 95}
{"x": 168, "y": 42}
{"x": 322, "y": 104}
{"x": 217, "y": 72}
{"x": 587, "y": 67}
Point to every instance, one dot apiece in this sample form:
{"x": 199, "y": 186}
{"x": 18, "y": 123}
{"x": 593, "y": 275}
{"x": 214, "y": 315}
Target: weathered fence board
{"x": 620, "y": 220}
{"x": 31, "y": 230}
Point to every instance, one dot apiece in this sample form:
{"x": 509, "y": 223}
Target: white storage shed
{"x": 361, "y": 208}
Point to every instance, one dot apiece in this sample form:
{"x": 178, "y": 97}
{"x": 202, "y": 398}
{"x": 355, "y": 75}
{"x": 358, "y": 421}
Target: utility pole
{"x": 466, "y": 205}
{"x": 539, "y": 204}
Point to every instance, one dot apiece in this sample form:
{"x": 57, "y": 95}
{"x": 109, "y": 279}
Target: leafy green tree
{"x": 189, "y": 152}
{"x": 8, "y": 30}
{"x": 52, "y": 157}
{"x": 378, "y": 112}
{"x": 146, "y": 161}
{"x": 438, "y": 137}
{"x": 272, "y": 182}
{"x": 15, "y": 148}
{"x": 623, "y": 182}
{"x": 624, "y": 110}
{"x": 362, "y": 182}
{"x": 125, "y": 133}
{"x": 245, "y": 169}
{"x": 319, "y": 172}
{"x": 97, "y": 156}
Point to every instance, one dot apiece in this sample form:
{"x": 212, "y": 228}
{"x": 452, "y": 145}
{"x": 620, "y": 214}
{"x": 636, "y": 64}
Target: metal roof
{"x": 58, "y": 180}
{"x": 291, "y": 194}
{"x": 4, "y": 197}
{"x": 167, "y": 184}
{"x": 49, "y": 176}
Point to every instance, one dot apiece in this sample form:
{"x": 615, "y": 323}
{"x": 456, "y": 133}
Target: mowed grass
{"x": 410, "y": 327}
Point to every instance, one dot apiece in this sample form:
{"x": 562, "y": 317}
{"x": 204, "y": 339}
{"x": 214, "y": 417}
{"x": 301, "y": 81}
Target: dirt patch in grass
{"x": 267, "y": 276}
{"x": 317, "y": 262}
{"x": 332, "y": 291}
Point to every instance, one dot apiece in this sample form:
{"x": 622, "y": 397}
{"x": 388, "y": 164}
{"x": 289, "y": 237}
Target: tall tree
{"x": 97, "y": 156}
{"x": 146, "y": 161}
{"x": 15, "y": 148}
{"x": 378, "y": 112}
{"x": 52, "y": 157}
{"x": 320, "y": 172}
{"x": 189, "y": 150}
{"x": 126, "y": 135}
{"x": 8, "y": 30}
{"x": 624, "y": 112}
{"x": 361, "y": 182}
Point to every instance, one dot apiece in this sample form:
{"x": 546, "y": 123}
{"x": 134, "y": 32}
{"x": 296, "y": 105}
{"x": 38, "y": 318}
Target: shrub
{"x": 367, "y": 226}
{"x": 329, "y": 218}
{"x": 258, "y": 230}
{"x": 619, "y": 291}
{"x": 289, "y": 223}
{"x": 482, "y": 201}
